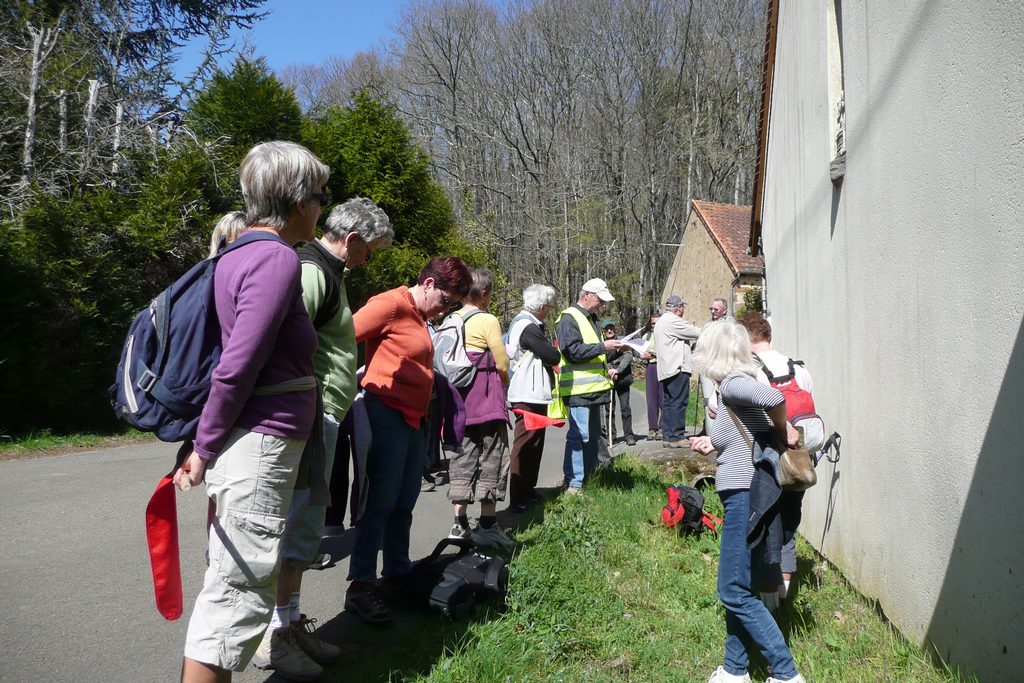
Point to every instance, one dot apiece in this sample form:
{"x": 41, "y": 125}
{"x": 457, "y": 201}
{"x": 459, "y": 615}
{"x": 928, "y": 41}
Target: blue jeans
{"x": 673, "y": 415}
{"x": 747, "y": 621}
{"x": 394, "y": 468}
{"x": 581, "y": 444}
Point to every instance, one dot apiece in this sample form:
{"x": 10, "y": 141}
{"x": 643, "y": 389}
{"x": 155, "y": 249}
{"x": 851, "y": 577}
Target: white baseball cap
{"x": 599, "y": 287}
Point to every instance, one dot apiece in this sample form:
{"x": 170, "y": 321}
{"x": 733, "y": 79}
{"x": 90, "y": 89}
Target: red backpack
{"x": 799, "y": 404}
{"x": 685, "y": 510}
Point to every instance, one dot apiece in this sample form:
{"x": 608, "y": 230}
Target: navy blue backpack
{"x": 173, "y": 345}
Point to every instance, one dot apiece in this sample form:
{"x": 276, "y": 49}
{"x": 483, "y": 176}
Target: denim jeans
{"x": 673, "y": 416}
{"x": 394, "y": 468}
{"x": 655, "y": 397}
{"x": 581, "y": 444}
{"x": 747, "y": 621}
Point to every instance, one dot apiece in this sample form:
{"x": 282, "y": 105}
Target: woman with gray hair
{"x": 353, "y": 232}
{"x": 260, "y": 411}
{"x": 723, "y": 354}
{"x": 533, "y": 358}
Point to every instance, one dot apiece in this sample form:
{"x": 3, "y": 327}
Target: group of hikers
{"x": 290, "y": 417}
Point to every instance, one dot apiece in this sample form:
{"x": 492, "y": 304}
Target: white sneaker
{"x": 722, "y": 676}
{"x": 796, "y": 679}
{"x": 459, "y": 532}
{"x": 321, "y": 561}
{"x": 494, "y": 537}
{"x": 280, "y": 652}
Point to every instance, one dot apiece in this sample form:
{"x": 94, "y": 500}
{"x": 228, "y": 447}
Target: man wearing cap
{"x": 583, "y": 379}
{"x": 719, "y": 311}
{"x": 672, "y": 337}
{"x": 620, "y": 370}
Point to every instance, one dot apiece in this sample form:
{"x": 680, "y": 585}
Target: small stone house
{"x": 712, "y": 259}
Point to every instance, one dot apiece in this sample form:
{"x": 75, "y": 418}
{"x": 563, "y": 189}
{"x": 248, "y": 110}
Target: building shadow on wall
{"x": 979, "y": 614}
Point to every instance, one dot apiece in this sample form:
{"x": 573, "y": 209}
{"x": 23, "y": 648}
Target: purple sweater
{"x": 267, "y": 338}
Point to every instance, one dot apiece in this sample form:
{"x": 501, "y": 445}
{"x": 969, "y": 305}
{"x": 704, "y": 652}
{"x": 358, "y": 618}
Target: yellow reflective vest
{"x": 590, "y": 376}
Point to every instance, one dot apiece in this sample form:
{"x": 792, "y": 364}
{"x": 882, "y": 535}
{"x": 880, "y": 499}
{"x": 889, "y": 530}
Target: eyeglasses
{"x": 446, "y": 300}
{"x": 321, "y": 197}
{"x": 369, "y": 251}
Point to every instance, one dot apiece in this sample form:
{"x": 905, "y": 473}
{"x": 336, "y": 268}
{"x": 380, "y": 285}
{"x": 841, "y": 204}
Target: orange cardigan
{"x": 399, "y": 353}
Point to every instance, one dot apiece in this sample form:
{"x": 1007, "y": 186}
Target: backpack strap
{"x": 711, "y": 521}
{"x": 462, "y": 544}
{"x": 316, "y": 254}
{"x": 765, "y": 370}
{"x": 739, "y": 426}
{"x": 492, "y": 579}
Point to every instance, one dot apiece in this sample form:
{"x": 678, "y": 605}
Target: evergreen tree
{"x": 372, "y": 154}
{"x": 246, "y": 106}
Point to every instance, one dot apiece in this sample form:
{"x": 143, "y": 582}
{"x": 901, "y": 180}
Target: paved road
{"x": 74, "y": 569}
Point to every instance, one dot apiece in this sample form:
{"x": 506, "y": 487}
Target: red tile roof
{"x": 729, "y": 226}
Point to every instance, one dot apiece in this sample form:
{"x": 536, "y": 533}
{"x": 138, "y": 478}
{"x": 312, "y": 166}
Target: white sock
{"x": 784, "y": 589}
{"x": 280, "y": 617}
{"x": 296, "y": 615}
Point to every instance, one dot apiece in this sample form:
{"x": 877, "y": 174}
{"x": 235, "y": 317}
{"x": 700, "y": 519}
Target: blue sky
{"x": 308, "y": 31}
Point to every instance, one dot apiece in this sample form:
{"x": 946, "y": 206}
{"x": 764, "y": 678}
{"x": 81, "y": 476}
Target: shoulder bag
{"x": 796, "y": 467}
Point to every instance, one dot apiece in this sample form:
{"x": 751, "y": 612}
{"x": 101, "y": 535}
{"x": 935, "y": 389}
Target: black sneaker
{"x": 365, "y": 601}
{"x": 630, "y": 440}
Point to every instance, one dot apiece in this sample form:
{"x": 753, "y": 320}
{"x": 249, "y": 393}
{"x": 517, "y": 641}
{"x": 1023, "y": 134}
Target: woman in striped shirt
{"x": 723, "y": 354}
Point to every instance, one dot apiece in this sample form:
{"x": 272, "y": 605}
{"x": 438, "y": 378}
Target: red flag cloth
{"x": 535, "y": 421}
{"x": 162, "y": 537}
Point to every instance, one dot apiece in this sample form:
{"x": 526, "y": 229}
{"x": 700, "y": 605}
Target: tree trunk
{"x": 116, "y": 142}
{"x": 90, "y": 122}
{"x": 62, "y": 140}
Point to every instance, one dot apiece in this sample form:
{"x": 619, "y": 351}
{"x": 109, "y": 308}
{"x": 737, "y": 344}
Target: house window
{"x": 836, "y": 90}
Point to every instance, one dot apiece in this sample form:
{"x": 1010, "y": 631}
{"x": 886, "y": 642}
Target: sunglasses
{"x": 320, "y": 197}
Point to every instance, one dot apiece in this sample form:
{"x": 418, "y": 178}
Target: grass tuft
{"x": 45, "y": 442}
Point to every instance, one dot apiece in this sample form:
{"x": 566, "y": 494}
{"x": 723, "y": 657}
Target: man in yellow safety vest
{"x": 583, "y": 380}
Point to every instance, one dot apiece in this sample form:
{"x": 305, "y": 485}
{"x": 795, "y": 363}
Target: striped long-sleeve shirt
{"x": 749, "y": 399}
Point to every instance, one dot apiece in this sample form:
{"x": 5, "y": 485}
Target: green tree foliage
{"x": 76, "y": 267}
{"x": 753, "y": 301}
{"x": 247, "y": 106}
{"x": 73, "y": 272}
{"x": 372, "y": 154}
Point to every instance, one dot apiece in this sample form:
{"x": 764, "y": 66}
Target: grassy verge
{"x": 46, "y": 443}
{"x": 601, "y": 592}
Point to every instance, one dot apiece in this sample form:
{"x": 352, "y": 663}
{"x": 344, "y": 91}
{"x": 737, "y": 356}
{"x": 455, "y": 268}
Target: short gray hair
{"x": 274, "y": 176}
{"x": 723, "y": 348}
{"x": 483, "y": 282}
{"x": 228, "y": 228}
{"x": 725, "y": 304}
{"x": 361, "y": 216}
{"x": 536, "y": 297}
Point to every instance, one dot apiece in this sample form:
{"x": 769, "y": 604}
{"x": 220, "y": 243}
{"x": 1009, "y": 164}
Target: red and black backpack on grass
{"x": 685, "y": 511}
